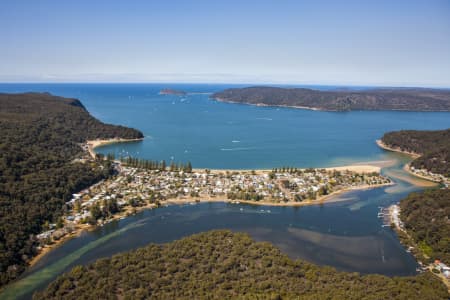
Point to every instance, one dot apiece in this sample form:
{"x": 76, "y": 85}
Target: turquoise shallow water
{"x": 347, "y": 235}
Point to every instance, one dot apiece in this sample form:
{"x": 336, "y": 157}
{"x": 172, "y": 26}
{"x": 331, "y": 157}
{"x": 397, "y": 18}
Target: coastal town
{"x": 141, "y": 184}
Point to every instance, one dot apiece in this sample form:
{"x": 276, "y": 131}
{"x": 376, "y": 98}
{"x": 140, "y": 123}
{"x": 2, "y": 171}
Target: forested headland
{"x": 407, "y": 99}
{"x": 433, "y": 146}
{"x": 426, "y": 219}
{"x": 40, "y": 139}
{"x": 224, "y": 265}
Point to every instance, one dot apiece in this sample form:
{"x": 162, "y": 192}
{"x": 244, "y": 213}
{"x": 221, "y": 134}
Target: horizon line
{"x": 229, "y": 83}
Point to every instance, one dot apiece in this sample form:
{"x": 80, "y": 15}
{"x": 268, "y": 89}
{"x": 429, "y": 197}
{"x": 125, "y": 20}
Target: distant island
{"x": 172, "y": 92}
{"x": 405, "y": 99}
{"x": 43, "y": 161}
{"x": 430, "y": 147}
{"x": 221, "y": 264}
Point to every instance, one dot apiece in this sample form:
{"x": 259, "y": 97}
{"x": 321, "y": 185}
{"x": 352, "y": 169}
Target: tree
{"x": 95, "y": 211}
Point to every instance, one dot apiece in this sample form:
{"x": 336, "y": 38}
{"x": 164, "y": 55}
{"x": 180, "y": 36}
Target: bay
{"x": 346, "y": 235}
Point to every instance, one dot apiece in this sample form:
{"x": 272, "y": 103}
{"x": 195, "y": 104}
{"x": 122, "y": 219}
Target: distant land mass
{"x": 406, "y": 99}
{"x": 41, "y": 166}
{"x": 433, "y": 146}
{"x": 172, "y": 92}
{"x": 221, "y": 264}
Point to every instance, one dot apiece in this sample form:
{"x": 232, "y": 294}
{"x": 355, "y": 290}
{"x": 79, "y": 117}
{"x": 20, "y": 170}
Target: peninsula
{"x": 221, "y": 264}
{"x": 142, "y": 184}
{"x": 406, "y": 99}
{"x": 430, "y": 149}
{"x": 421, "y": 223}
{"x": 42, "y": 163}
{"x": 421, "y": 219}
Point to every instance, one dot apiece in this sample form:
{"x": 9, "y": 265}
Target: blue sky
{"x": 383, "y": 42}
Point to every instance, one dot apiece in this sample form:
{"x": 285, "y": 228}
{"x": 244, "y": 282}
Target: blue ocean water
{"x": 347, "y": 235}
{"x": 212, "y": 134}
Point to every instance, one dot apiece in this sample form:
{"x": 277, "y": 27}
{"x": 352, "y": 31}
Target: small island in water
{"x": 172, "y": 92}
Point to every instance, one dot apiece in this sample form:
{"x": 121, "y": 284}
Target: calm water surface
{"x": 347, "y": 235}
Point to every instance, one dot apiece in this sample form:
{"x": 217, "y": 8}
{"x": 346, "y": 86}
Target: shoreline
{"x": 410, "y": 245}
{"x": 268, "y": 105}
{"x": 129, "y": 211}
{"x": 330, "y": 198}
{"x": 320, "y": 200}
{"x": 398, "y": 150}
{"x": 318, "y": 108}
{"x": 407, "y": 167}
{"x": 80, "y": 228}
{"x": 92, "y": 144}
{"x": 358, "y": 168}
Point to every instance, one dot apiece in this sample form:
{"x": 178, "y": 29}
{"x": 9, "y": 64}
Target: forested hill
{"x": 433, "y": 146}
{"x": 408, "y": 99}
{"x": 225, "y": 265}
{"x": 40, "y": 136}
{"x": 66, "y": 115}
{"x": 425, "y": 216}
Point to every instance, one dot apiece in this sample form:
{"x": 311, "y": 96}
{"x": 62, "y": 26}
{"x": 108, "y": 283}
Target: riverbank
{"x": 91, "y": 145}
{"x": 130, "y": 208}
{"x": 330, "y": 198}
{"x": 408, "y": 242}
{"x": 407, "y": 167}
{"x": 47, "y": 248}
{"x": 80, "y": 228}
{"x": 388, "y": 148}
{"x": 187, "y": 199}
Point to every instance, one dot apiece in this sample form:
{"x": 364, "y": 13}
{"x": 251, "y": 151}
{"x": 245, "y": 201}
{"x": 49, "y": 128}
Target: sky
{"x": 379, "y": 42}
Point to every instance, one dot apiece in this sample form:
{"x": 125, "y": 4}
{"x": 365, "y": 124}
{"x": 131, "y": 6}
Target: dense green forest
{"x": 224, "y": 265}
{"x": 426, "y": 219}
{"x": 40, "y": 137}
{"x": 434, "y": 147}
{"x": 409, "y": 99}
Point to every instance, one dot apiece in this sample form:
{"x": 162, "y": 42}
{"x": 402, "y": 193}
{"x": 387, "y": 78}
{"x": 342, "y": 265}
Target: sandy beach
{"x": 97, "y": 143}
{"x": 359, "y": 168}
{"x": 267, "y": 105}
{"x": 407, "y": 167}
{"x": 386, "y": 147}
{"x": 333, "y": 197}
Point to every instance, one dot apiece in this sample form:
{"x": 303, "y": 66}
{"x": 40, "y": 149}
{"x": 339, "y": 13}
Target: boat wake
{"x": 237, "y": 149}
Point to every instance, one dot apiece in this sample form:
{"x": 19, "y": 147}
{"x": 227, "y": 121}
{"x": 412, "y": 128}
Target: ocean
{"x": 346, "y": 235}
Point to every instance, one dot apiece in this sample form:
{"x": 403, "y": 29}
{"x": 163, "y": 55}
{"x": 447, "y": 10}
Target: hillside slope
{"x": 432, "y": 145}
{"x": 425, "y": 216}
{"x": 40, "y": 136}
{"x": 408, "y": 99}
{"x": 224, "y": 265}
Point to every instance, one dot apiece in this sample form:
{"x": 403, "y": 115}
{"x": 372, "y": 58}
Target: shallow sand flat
{"x": 412, "y": 179}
